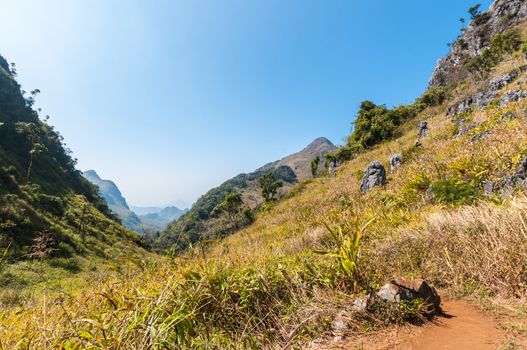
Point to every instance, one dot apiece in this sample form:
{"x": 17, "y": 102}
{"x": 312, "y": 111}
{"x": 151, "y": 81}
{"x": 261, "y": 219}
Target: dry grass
{"x": 264, "y": 287}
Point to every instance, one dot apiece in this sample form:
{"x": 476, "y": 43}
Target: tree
{"x": 462, "y": 20}
{"x": 474, "y": 11}
{"x": 32, "y": 134}
{"x": 232, "y": 206}
{"x": 314, "y": 165}
{"x": 269, "y": 185}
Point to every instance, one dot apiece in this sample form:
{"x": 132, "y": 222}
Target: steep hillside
{"x": 201, "y": 223}
{"x": 435, "y": 189}
{"x": 47, "y": 209}
{"x": 116, "y": 202}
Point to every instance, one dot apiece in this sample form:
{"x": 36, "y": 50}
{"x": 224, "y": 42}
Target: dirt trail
{"x": 463, "y": 327}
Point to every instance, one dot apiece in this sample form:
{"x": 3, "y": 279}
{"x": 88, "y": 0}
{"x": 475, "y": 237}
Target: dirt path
{"x": 463, "y": 327}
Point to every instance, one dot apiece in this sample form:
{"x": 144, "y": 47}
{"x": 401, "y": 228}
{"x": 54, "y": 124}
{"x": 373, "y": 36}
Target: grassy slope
{"x": 268, "y": 285}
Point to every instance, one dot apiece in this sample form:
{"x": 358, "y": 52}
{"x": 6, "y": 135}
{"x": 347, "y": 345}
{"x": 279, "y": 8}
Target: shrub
{"x": 432, "y": 97}
{"x": 376, "y": 123}
{"x": 452, "y": 191}
{"x": 415, "y": 186}
{"x": 506, "y": 43}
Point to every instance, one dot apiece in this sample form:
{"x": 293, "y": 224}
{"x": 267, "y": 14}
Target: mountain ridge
{"x": 199, "y": 222}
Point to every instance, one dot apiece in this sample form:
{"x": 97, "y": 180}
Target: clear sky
{"x": 169, "y": 98}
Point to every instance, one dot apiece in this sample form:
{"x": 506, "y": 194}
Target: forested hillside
{"x": 47, "y": 209}
{"x": 203, "y": 222}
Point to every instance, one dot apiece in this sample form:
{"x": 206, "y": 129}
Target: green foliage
{"x": 195, "y": 224}
{"x": 414, "y": 187}
{"x": 269, "y": 186}
{"x": 474, "y": 11}
{"x": 453, "y": 191}
{"x": 375, "y": 124}
{"x": 342, "y": 154}
{"x": 314, "y": 166}
{"x": 232, "y": 206}
{"x": 398, "y": 313}
{"x": 433, "y": 96}
{"x": 500, "y": 45}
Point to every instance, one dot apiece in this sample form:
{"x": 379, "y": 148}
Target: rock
{"x": 480, "y": 135}
{"x": 361, "y": 304}
{"x": 422, "y": 129}
{"x": 483, "y": 98}
{"x": 488, "y": 187}
{"x": 512, "y": 96}
{"x": 463, "y": 106}
{"x": 340, "y": 323}
{"x": 464, "y": 127}
{"x": 395, "y": 161}
{"x": 509, "y": 115}
{"x": 518, "y": 179}
{"x": 409, "y": 290}
{"x": 374, "y": 175}
{"x": 503, "y": 80}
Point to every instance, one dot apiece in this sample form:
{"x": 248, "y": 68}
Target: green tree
{"x": 269, "y": 185}
{"x": 474, "y": 11}
{"x": 232, "y": 205}
{"x": 314, "y": 165}
{"x": 32, "y": 134}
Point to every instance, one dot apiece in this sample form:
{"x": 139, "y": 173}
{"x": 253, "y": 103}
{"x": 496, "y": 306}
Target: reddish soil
{"x": 462, "y": 327}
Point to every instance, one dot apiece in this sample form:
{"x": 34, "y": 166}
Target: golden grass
{"x": 263, "y": 287}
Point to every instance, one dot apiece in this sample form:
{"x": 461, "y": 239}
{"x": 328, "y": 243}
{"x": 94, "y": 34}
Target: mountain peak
{"x": 319, "y": 142}
{"x": 91, "y": 174}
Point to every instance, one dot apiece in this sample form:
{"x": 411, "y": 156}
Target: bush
{"x": 501, "y": 44}
{"x": 376, "y": 123}
{"x": 452, "y": 191}
{"x": 432, "y": 97}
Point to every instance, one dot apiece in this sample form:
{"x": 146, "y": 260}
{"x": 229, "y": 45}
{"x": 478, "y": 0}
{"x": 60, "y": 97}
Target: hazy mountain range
{"x": 149, "y": 220}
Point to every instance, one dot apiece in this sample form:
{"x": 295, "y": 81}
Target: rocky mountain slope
{"x": 200, "y": 222}
{"x": 476, "y": 38}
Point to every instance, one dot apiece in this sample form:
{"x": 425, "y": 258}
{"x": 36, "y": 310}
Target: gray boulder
{"x": 518, "y": 179}
{"x": 395, "y": 161}
{"x": 422, "y": 129}
{"x": 512, "y": 96}
{"x": 402, "y": 289}
{"x": 374, "y": 175}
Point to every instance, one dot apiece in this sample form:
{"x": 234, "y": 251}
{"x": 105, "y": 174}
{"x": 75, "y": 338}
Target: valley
{"x": 410, "y": 235}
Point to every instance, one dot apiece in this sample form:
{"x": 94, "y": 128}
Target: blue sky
{"x": 170, "y": 98}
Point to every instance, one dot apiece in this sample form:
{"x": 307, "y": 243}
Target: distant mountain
{"x": 300, "y": 162}
{"x": 145, "y": 210}
{"x": 116, "y": 202}
{"x": 199, "y": 222}
{"x": 143, "y": 220}
{"x": 159, "y": 220}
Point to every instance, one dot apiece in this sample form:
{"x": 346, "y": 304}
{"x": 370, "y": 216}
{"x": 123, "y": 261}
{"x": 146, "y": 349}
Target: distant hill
{"x": 159, "y": 220}
{"x": 116, "y": 202}
{"x": 145, "y": 210}
{"x": 199, "y": 223}
{"x": 150, "y": 220}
